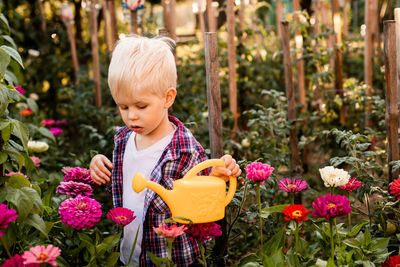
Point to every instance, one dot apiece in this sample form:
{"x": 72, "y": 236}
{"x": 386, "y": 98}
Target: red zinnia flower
{"x": 47, "y": 122}
{"x": 395, "y": 188}
{"x": 26, "y": 112}
{"x": 170, "y": 232}
{"x": 121, "y": 216}
{"x": 393, "y": 261}
{"x": 353, "y": 184}
{"x": 17, "y": 261}
{"x": 205, "y": 231}
{"x": 296, "y": 213}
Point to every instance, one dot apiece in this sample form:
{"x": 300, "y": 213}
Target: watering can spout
{"x": 139, "y": 183}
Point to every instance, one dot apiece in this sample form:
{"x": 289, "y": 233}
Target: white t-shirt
{"x": 135, "y": 161}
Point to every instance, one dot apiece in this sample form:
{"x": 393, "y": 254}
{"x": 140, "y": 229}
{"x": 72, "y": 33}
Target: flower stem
{"x": 259, "y": 210}
{"x": 133, "y": 246}
{"x": 170, "y": 241}
{"x": 5, "y": 247}
{"x": 349, "y": 215}
{"x": 203, "y": 256}
{"x": 291, "y": 198}
{"x": 332, "y": 241}
{"x": 296, "y": 244}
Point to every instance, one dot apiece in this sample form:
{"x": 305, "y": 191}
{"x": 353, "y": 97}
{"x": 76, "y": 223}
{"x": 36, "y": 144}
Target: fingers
{"x": 99, "y": 172}
{"x": 231, "y": 168}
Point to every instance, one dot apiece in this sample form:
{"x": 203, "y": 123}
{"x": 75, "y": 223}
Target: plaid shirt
{"x": 177, "y": 159}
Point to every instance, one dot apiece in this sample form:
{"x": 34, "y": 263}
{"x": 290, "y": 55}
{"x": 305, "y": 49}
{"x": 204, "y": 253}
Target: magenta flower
{"x": 41, "y": 254}
{"x": 47, "y": 122}
{"x": 77, "y": 174}
{"x": 19, "y": 89}
{"x": 331, "y": 206}
{"x": 292, "y": 185}
{"x": 56, "y": 131}
{"x": 258, "y": 172}
{"x": 121, "y": 216}
{"x": 17, "y": 261}
{"x": 204, "y": 231}
{"x": 36, "y": 161}
{"x": 73, "y": 188}
{"x": 80, "y": 213}
{"x": 6, "y": 216}
{"x": 61, "y": 122}
{"x": 19, "y": 173}
{"x": 353, "y": 184}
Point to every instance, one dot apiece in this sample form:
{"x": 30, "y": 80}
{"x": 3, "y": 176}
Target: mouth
{"x": 136, "y": 129}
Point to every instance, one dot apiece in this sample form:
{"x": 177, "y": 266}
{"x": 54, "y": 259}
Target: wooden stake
{"x": 300, "y": 63}
{"x": 397, "y": 18}
{"x": 278, "y": 16}
{"x": 172, "y": 29}
{"x": 71, "y": 38}
{"x": 346, "y": 9}
{"x": 113, "y": 23}
{"x": 213, "y": 94}
{"x": 368, "y": 50}
{"x": 211, "y": 26}
{"x": 43, "y": 16}
{"x": 287, "y": 63}
{"x": 338, "y": 57}
{"x": 95, "y": 52}
{"x": 230, "y": 15}
{"x": 392, "y": 96}
{"x": 134, "y": 22}
{"x": 241, "y": 19}
{"x": 107, "y": 27}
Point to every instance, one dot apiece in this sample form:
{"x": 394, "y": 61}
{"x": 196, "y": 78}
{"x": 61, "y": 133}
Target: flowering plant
{"x": 77, "y": 174}
{"x": 41, "y": 254}
{"x": 258, "y": 172}
{"x": 80, "y": 212}
{"x": 292, "y": 185}
{"x": 73, "y": 188}
{"x": 352, "y": 185}
{"x": 296, "y": 213}
{"x": 395, "y": 188}
{"x": 331, "y": 206}
{"x": 6, "y": 216}
{"x": 121, "y": 216}
{"x": 333, "y": 177}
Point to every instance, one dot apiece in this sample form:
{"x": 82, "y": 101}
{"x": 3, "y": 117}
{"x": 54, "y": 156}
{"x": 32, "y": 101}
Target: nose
{"x": 132, "y": 114}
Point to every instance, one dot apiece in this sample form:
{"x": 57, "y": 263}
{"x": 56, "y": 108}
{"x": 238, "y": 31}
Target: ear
{"x": 170, "y": 95}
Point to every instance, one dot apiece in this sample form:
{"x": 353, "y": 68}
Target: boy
{"x": 142, "y": 79}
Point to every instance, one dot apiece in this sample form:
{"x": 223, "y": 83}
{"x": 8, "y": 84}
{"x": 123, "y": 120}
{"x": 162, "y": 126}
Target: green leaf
{"x": 158, "y": 261}
{"x": 9, "y": 40}
{"x": 11, "y": 78}
{"x": 275, "y": 259}
{"x": 34, "y": 197}
{"x": 3, "y": 99}
{"x": 112, "y": 258}
{"x": 108, "y": 242}
{"x": 274, "y": 209}
{"x": 4, "y": 20}
{"x": 331, "y": 263}
{"x": 13, "y": 53}
{"x": 61, "y": 262}
{"x": 251, "y": 259}
{"x": 352, "y": 243}
{"x": 45, "y": 132}
{"x": 19, "y": 199}
{"x": 32, "y": 105}
{"x": 18, "y": 181}
{"x": 379, "y": 243}
{"x": 274, "y": 243}
{"x": 88, "y": 242}
{"x": 37, "y": 222}
{"x": 22, "y": 133}
{"x": 3, "y": 157}
{"x": 367, "y": 239}
{"x": 356, "y": 228}
{"x": 4, "y": 61}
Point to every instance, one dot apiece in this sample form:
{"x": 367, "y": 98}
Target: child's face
{"x": 144, "y": 112}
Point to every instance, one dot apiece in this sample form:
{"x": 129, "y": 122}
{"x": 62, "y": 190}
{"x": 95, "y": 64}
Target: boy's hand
{"x": 98, "y": 169}
{"x": 231, "y": 168}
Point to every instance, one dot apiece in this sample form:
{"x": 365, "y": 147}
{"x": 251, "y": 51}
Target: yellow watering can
{"x": 200, "y": 199}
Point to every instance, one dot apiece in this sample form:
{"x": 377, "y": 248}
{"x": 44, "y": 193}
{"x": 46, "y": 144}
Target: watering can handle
{"x": 214, "y": 163}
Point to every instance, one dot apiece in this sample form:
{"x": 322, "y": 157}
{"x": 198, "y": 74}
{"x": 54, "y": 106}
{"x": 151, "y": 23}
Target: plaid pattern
{"x": 177, "y": 159}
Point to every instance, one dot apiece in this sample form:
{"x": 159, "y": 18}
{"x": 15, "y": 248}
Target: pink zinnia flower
{"x": 6, "y": 216}
{"x": 170, "y": 232}
{"x": 121, "y": 216}
{"x": 395, "y": 188}
{"x": 17, "y": 261}
{"x": 41, "y": 254}
{"x": 331, "y": 206}
{"x": 77, "y": 174}
{"x": 73, "y": 188}
{"x": 353, "y": 184}
{"x": 26, "y": 112}
{"x": 36, "y": 161}
{"x": 296, "y": 213}
{"x": 292, "y": 185}
{"x": 204, "y": 231}
{"x": 47, "y": 122}
{"x": 80, "y": 213}
{"x": 19, "y": 173}
{"x": 258, "y": 172}
{"x": 56, "y": 131}
{"x": 19, "y": 89}
{"x": 61, "y": 122}
{"x": 393, "y": 261}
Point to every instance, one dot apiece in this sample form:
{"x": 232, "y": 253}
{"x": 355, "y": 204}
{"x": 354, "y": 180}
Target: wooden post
{"x": 368, "y": 50}
{"x": 107, "y": 27}
{"x": 172, "y": 29}
{"x": 392, "y": 96}
{"x": 346, "y": 8}
{"x": 316, "y": 16}
{"x": 166, "y": 14}
{"x": 95, "y": 52}
{"x": 278, "y": 16}
{"x": 74, "y": 55}
{"x": 113, "y": 22}
{"x": 338, "y": 57}
{"x": 287, "y": 63}
{"x": 300, "y": 63}
{"x": 43, "y": 16}
{"x": 213, "y": 94}
{"x": 134, "y": 21}
{"x": 241, "y": 19}
{"x": 210, "y": 16}
{"x": 230, "y": 15}
{"x": 202, "y": 24}
{"x": 397, "y": 18}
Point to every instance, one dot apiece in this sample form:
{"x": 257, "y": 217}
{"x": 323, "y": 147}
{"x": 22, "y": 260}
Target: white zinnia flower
{"x": 37, "y": 146}
{"x": 333, "y": 177}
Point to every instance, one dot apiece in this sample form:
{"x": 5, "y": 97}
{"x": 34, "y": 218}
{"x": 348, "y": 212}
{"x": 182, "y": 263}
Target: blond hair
{"x": 142, "y": 63}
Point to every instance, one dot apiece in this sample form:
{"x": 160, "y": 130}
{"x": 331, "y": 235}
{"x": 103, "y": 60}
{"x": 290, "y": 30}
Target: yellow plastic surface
{"x": 200, "y": 199}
